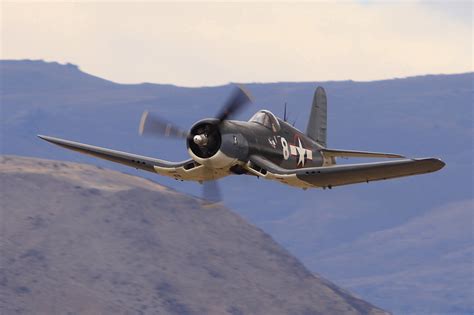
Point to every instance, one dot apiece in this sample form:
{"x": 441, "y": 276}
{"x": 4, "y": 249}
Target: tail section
{"x": 317, "y": 124}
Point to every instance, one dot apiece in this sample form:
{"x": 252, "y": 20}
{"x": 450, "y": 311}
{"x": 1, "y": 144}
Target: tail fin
{"x": 317, "y": 124}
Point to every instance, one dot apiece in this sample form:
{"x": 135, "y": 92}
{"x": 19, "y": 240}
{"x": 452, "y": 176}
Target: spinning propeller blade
{"x": 151, "y": 124}
{"x": 234, "y": 104}
{"x": 211, "y": 192}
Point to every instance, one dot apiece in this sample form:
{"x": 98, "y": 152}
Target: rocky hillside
{"x": 80, "y": 239}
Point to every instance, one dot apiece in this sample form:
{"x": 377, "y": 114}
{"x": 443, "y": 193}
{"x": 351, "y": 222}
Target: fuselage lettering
{"x": 286, "y": 152}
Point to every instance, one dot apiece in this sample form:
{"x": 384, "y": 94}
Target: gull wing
{"x": 338, "y": 175}
{"x": 185, "y": 170}
{"x": 367, "y": 172}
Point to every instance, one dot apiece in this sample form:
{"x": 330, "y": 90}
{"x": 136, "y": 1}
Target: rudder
{"x": 317, "y": 124}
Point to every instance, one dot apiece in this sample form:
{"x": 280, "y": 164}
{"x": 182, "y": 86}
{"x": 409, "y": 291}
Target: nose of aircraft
{"x": 200, "y": 139}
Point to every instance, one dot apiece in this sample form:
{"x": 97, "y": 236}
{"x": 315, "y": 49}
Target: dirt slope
{"x": 77, "y": 239}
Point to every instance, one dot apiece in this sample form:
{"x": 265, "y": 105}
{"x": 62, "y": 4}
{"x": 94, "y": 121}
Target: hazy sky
{"x": 196, "y": 44}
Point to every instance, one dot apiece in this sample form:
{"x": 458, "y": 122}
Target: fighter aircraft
{"x": 266, "y": 146}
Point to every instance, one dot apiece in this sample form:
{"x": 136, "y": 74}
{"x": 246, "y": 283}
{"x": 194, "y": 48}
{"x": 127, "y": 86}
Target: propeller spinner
{"x": 204, "y": 139}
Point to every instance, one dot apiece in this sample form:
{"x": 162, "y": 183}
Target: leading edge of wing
{"x": 328, "y": 176}
{"x": 366, "y": 172}
{"x": 129, "y": 159}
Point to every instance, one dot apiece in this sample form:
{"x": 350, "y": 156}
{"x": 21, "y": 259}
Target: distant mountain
{"x": 432, "y": 254}
{"x": 419, "y": 116}
{"x": 77, "y": 239}
{"x": 31, "y": 74}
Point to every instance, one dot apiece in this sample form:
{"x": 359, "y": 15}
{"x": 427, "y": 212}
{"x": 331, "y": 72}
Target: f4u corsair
{"x": 265, "y": 146}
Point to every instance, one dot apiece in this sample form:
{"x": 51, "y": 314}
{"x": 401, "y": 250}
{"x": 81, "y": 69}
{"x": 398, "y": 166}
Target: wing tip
{"x": 438, "y": 163}
{"x": 435, "y": 164}
{"x": 45, "y": 138}
{"x": 53, "y": 140}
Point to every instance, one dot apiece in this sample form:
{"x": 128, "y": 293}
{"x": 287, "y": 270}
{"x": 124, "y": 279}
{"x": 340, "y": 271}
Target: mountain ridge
{"x": 57, "y": 65}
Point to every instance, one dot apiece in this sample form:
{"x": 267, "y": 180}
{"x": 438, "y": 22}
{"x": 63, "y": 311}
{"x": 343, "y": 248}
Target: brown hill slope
{"x": 79, "y": 239}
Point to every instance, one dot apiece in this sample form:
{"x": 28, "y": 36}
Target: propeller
{"x": 211, "y": 192}
{"x": 234, "y": 104}
{"x": 153, "y": 125}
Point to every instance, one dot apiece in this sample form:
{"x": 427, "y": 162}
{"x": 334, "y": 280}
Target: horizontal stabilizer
{"x": 358, "y": 154}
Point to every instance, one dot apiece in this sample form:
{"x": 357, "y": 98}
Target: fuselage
{"x": 287, "y": 147}
{"x": 233, "y": 142}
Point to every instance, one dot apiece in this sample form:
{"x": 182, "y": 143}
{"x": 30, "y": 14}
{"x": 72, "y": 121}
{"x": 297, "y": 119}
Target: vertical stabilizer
{"x": 317, "y": 124}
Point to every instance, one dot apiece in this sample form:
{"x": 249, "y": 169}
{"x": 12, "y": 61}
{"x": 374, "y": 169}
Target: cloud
{"x": 207, "y": 44}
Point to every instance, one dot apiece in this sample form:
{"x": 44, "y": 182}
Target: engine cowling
{"x": 208, "y": 145}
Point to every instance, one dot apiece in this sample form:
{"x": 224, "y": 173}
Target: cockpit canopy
{"x": 266, "y": 119}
